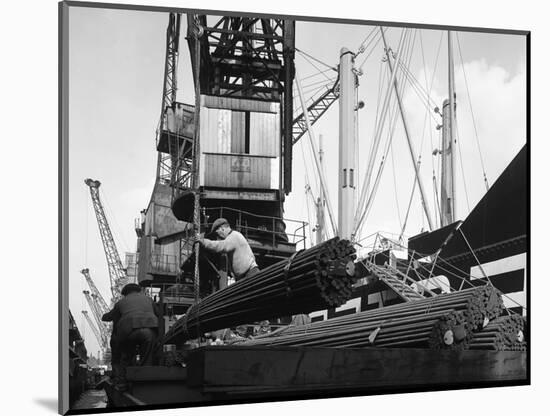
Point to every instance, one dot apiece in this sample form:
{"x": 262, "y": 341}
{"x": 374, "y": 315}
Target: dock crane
{"x": 269, "y": 45}
{"x": 103, "y": 327}
{"x": 95, "y": 292}
{"x": 96, "y": 332}
{"x": 94, "y": 307}
{"x": 117, "y": 273}
{"x": 315, "y": 110}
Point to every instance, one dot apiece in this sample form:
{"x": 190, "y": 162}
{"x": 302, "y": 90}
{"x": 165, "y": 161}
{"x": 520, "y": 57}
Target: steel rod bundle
{"x": 502, "y": 333}
{"x": 422, "y": 323}
{"x": 313, "y": 279}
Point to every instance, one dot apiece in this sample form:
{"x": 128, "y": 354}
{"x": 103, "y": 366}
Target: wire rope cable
{"x": 472, "y": 114}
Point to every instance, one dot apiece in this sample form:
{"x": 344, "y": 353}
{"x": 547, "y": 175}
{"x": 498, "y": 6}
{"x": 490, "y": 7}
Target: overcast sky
{"x": 116, "y": 61}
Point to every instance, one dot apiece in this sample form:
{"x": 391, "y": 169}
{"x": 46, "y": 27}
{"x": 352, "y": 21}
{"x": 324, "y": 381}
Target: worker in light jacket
{"x": 233, "y": 244}
{"x": 135, "y": 328}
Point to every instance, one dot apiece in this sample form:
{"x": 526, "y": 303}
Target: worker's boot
{"x": 119, "y": 377}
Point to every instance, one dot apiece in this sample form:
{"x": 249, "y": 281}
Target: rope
{"x": 196, "y": 166}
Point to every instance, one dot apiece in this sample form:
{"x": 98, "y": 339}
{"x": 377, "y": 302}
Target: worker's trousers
{"x": 139, "y": 341}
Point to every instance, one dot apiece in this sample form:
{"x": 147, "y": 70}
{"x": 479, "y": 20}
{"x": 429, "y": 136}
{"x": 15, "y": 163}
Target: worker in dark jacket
{"x": 135, "y": 327}
{"x": 235, "y": 245}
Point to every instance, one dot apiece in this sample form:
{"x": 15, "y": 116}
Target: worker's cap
{"x": 130, "y": 288}
{"x": 218, "y": 223}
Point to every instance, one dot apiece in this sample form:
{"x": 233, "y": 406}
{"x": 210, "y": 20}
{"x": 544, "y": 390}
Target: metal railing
{"x": 166, "y": 263}
{"x": 263, "y": 227}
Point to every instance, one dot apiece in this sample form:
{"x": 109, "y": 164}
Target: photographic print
{"x": 259, "y": 207}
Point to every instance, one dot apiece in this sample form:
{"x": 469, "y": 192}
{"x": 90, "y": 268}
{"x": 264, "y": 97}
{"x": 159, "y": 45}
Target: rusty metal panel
{"x": 223, "y": 144}
{"x": 239, "y": 104}
{"x": 208, "y": 129}
{"x": 238, "y": 131}
{"x": 264, "y": 134}
{"x": 237, "y": 171}
{"x": 215, "y": 130}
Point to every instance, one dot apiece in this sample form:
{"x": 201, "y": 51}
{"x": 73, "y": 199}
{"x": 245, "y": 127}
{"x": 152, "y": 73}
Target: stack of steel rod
{"x": 312, "y": 279}
{"x": 502, "y": 333}
{"x": 421, "y": 323}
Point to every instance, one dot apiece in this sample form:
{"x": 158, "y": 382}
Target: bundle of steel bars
{"x": 445, "y": 321}
{"x": 502, "y": 333}
{"x": 312, "y": 279}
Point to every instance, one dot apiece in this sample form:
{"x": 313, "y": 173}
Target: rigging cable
{"x": 462, "y": 168}
{"x": 362, "y": 47}
{"x": 317, "y": 74}
{"x": 472, "y": 113}
{"x": 415, "y": 178}
{"x": 393, "y": 121}
{"x": 458, "y": 273}
{"x": 387, "y": 98}
{"x": 309, "y": 59}
{"x": 408, "y": 209}
{"x": 420, "y": 89}
{"x": 312, "y": 143}
{"x": 308, "y": 192}
{"x": 395, "y": 186}
{"x": 408, "y": 47}
{"x": 115, "y": 230}
{"x": 378, "y": 38}
{"x": 428, "y": 121}
{"x": 427, "y": 102}
{"x": 377, "y": 121}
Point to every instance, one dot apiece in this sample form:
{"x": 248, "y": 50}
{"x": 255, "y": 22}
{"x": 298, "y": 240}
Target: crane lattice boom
{"x": 103, "y": 326}
{"x": 96, "y": 332}
{"x": 117, "y": 273}
{"x": 315, "y": 110}
{"x": 95, "y": 292}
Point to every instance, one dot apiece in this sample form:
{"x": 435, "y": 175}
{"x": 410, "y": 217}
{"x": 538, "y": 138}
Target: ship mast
{"x": 348, "y": 146}
{"x": 320, "y": 204}
{"x": 448, "y": 147}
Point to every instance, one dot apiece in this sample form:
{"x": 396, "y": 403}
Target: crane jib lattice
{"x": 117, "y": 273}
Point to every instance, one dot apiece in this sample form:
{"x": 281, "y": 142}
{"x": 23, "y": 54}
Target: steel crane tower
{"x": 117, "y": 273}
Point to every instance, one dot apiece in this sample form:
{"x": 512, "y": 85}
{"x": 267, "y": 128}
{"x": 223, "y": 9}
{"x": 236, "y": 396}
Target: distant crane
{"x": 104, "y": 328}
{"x": 96, "y": 331}
{"x": 117, "y": 273}
{"x": 95, "y": 292}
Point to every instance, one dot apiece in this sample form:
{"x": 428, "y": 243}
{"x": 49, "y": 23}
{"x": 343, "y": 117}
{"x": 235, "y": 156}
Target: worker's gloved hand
{"x": 199, "y": 238}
